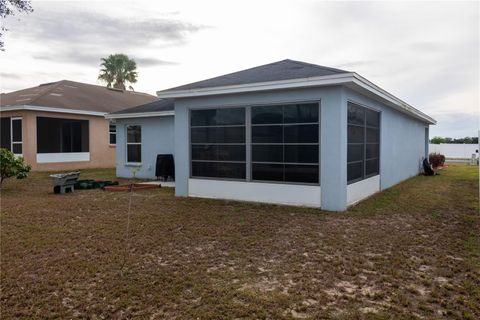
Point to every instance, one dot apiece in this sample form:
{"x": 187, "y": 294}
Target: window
{"x": 363, "y": 151}
{"x": 134, "y": 144}
{"x": 278, "y": 143}
{"x": 17, "y": 144}
{"x": 112, "y": 134}
{"x": 6, "y": 133}
{"x": 218, "y": 148}
{"x": 55, "y": 135}
{"x": 285, "y": 143}
{"x": 11, "y": 132}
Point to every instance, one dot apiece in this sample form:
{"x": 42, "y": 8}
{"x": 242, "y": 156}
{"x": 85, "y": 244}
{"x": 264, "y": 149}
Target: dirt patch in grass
{"x": 412, "y": 251}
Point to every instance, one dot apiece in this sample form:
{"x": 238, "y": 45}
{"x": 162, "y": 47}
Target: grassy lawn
{"x": 412, "y": 251}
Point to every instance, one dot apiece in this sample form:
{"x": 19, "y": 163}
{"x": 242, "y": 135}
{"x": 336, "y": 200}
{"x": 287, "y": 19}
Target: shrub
{"x": 11, "y": 166}
{"x": 436, "y": 159}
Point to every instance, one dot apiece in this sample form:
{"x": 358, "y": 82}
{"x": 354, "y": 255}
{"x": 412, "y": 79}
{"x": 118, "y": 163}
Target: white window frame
{"x": 132, "y": 143}
{"x": 11, "y": 134}
{"x": 110, "y": 132}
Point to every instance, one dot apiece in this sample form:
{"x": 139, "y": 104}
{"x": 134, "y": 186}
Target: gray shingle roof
{"x": 281, "y": 70}
{"x": 74, "y": 95}
{"x": 155, "y": 106}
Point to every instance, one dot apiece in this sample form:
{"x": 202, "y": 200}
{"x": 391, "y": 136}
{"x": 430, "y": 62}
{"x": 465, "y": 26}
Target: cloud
{"x": 94, "y": 59}
{"x": 8, "y": 75}
{"x": 73, "y": 56}
{"x": 448, "y": 125}
{"x": 355, "y": 64}
{"x": 86, "y": 27}
{"x": 426, "y": 46}
{"x": 88, "y": 36}
{"x": 150, "y": 62}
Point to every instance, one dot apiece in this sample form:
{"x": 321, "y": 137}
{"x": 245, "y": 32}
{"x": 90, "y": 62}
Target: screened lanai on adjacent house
{"x": 288, "y": 132}
{"x": 61, "y": 125}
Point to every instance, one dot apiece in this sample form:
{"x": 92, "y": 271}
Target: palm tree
{"x": 118, "y": 69}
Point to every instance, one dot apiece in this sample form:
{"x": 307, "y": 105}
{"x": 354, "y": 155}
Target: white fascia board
{"x": 260, "y": 86}
{"x": 139, "y": 115}
{"x": 337, "y": 79}
{"x": 396, "y": 102}
{"x": 50, "y": 109}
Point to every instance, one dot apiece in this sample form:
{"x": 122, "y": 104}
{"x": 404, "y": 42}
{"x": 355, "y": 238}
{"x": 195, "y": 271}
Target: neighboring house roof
{"x": 289, "y": 74}
{"x": 276, "y": 71}
{"x": 161, "y": 107}
{"x": 72, "y": 97}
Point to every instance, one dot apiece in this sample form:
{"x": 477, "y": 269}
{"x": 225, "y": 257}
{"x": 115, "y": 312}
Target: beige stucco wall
{"x": 102, "y": 155}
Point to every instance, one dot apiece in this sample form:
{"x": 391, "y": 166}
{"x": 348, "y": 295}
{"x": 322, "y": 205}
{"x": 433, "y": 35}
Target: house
{"x": 61, "y": 125}
{"x": 288, "y": 132}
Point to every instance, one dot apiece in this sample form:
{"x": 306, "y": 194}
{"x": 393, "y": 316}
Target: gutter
{"x": 139, "y": 115}
{"x": 49, "y": 109}
{"x": 259, "y": 86}
{"x": 397, "y": 103}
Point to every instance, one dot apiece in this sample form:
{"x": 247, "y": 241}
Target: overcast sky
{"x": 426, "y": 53}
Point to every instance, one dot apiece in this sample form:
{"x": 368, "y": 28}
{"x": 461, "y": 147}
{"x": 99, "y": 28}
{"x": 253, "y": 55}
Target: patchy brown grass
{"x": 412, "y": 251}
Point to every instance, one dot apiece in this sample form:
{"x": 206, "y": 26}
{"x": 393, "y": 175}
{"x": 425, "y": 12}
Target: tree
{"x": 470, "y": 140}
{"x": 11, "y": 166}
{"x": 437, "y": 140}
{"x": 8, "y": 7}
{"x": 117, "y": 70}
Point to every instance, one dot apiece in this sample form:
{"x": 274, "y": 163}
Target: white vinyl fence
{"x": 451, "y": 150}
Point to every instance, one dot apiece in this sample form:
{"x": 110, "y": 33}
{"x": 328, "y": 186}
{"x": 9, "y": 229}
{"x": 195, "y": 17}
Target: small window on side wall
{"x": 11, "y": 134}
{"x": 17, "y": 142}
{"x": 112, "y": 134}
{"x": 134, "y": 144}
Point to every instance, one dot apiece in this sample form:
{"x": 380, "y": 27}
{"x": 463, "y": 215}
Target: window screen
{"x": 284, "y": 143}
{"x": 17, "y": 144}
{"x": 218, "y": 143}
{"x": 134, "y": 144}
{"x": 55, "y": 135}
{"x": 6, "y": 133}
{"x": 363, "y": 151}
{"x": 11, "y": 134}
{"x": 112, "y": 134}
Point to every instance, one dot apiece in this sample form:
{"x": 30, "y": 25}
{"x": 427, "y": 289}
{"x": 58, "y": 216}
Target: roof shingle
{"x": 155, "y": 106}
{"x": 276, "y": 71}
{"x": 76, "y": 96}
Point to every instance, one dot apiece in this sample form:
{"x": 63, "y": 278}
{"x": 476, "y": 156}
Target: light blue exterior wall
{"x": 402, "y": 141}
{"x": 157, "y": 138}
{"x": 333, "y": 151}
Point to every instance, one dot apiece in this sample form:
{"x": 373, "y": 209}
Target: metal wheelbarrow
{"x": 64, "y": 182}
